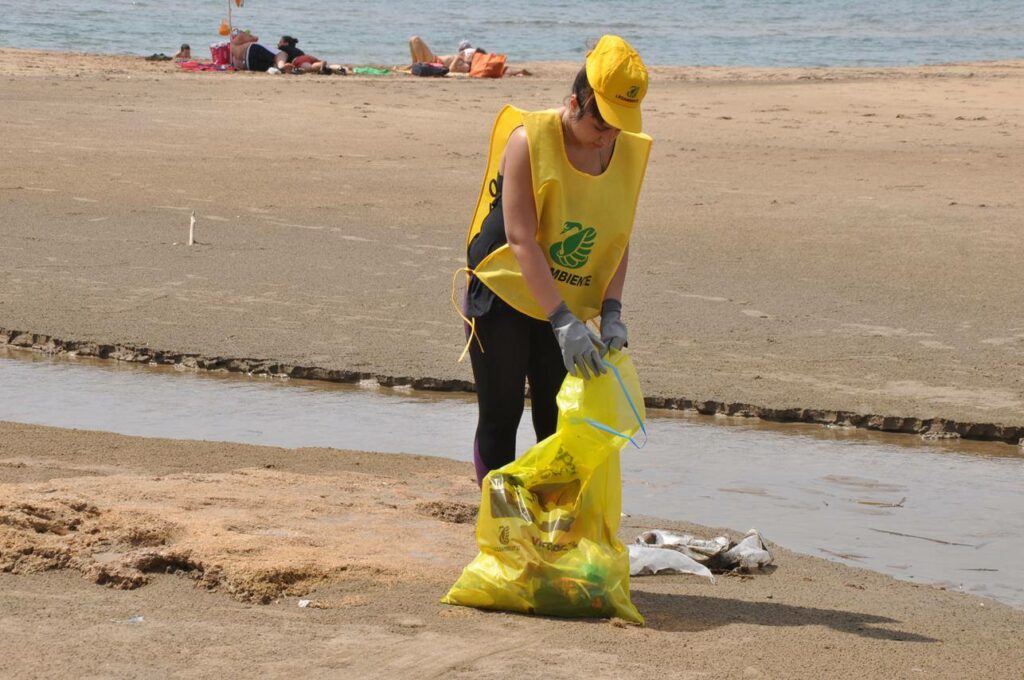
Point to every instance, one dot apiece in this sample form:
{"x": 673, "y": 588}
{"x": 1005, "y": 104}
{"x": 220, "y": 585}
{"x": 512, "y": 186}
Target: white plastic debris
{"x": 645, "y": 560}
{"x": 717, "y": 554}
{"x": 697, "y": 549}
{"x": 304, "y": 603}
{"x": 749, "y": 554}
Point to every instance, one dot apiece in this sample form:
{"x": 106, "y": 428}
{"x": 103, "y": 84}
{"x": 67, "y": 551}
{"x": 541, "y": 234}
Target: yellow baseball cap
{"x": 619, "y": 78}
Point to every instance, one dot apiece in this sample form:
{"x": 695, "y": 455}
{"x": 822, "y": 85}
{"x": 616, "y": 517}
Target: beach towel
{"x": 204, "y": 66}
{"x": 370, "y": 71}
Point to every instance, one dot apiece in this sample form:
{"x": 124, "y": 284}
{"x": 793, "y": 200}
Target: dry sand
{"x": 817, "y": 238}
{"x": 830, "y": 238}
{"x": 359, "y": 535}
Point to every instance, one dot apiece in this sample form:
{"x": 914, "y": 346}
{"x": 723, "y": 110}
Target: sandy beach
{"x": 838, "y": 240}
{"x": 831, "y": 239}
{"x": 373, "y": 541}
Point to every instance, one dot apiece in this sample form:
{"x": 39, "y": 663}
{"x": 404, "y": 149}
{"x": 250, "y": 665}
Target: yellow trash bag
{"x": 548, "y": 522}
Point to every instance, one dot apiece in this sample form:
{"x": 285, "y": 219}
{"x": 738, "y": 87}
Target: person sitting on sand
{"x": 247, "y": 54}
{"x": 184, "y": 54}
{"x": 300, "y": 62}
{"x": 460, "y": 62}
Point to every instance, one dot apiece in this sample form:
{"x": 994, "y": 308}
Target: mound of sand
{"x": 257, "y": 534}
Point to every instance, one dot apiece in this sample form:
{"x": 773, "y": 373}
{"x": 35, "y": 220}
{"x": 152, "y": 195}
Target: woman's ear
{"x": 574, "y": 104}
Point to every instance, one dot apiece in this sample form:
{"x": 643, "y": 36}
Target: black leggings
{"x": 517, "y": 347}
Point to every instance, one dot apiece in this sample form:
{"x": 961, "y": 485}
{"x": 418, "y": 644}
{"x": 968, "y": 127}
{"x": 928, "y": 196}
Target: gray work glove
{"x": 613, "y": 331}
{"x": 579, "y": 344}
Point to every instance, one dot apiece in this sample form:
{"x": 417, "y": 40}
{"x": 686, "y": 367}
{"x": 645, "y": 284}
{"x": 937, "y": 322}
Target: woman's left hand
{"x": 613, "y": 330}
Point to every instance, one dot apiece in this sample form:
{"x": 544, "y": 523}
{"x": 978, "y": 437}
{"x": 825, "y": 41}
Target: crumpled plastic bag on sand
{"x": 695, "y": 548}
{"x": 647, "y": 560}
{"x": 718, "y": 554}
{"x": 548, "y": 522}
{"x": 749, "y": 554}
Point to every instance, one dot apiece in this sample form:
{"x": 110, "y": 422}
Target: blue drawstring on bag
{"x": 629, "y": 400}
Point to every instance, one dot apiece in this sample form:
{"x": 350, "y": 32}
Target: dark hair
{"x": 290, "y": 40}
{"x": 585, "y": 97}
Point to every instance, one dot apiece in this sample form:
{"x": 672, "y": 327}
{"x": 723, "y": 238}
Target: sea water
{"x": 690, "y": 32}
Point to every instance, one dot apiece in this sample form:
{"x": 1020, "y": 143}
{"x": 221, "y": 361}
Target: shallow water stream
{"x": 839, "y": 494}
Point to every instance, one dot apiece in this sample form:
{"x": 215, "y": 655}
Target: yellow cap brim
{"x": 623, "y": 117}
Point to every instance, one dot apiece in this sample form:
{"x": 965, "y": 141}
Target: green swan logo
{"x": 574, "y": 251}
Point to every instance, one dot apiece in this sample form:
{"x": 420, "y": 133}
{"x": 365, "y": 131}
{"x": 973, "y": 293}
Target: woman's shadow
{"x": 692, "y": 613}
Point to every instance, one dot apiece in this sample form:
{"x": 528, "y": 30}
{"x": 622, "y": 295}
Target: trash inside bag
{"x": 647, "y": 560}
{"x": 548, "y": 522}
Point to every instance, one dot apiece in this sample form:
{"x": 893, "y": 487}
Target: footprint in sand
{"x": 753, "y": 313}
{"x": 1004, "y": 341}
{"x": 935, "y": 344}
{"x": 884, "y": 331}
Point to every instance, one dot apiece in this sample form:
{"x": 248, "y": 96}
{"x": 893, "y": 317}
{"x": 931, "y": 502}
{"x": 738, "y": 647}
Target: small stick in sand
{"x": 192, "y": 229}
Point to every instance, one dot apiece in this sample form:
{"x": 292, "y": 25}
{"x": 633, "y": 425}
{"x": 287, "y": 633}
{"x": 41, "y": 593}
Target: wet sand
{"x": 360, "y": 536}
{"x": 898, "y": 505}
{"x": 832, "y": 239}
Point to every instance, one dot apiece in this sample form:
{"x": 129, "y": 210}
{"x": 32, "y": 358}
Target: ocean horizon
{"x": 726, "y": 33}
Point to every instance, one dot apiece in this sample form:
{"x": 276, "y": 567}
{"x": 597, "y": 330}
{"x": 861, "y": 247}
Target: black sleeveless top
{"x": 479, "y": 298}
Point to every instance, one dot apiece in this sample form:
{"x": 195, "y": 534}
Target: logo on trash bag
{"x": 503, "y": 535}
{"x": 551, "y": 546}
{"x": 563, "y": 465}
{"x": 574, "y": 251}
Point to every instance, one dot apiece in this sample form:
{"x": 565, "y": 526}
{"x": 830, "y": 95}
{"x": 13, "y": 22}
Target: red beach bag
{"x": 221, "y": 53}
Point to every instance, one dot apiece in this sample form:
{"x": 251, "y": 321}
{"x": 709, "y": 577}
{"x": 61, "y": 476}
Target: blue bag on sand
{"x": 422, "y": 68}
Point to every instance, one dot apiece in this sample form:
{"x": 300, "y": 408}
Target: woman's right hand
{"x": 578, "y": 343}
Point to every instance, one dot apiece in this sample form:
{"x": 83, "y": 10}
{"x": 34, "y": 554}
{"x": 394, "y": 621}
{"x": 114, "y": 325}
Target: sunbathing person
{"x": 300, "y": 62}
{"x": 459, "y": 62}
{"x": 247, "y": 54}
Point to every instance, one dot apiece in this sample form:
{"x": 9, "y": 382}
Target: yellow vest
{"x": 584, "y": 220}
